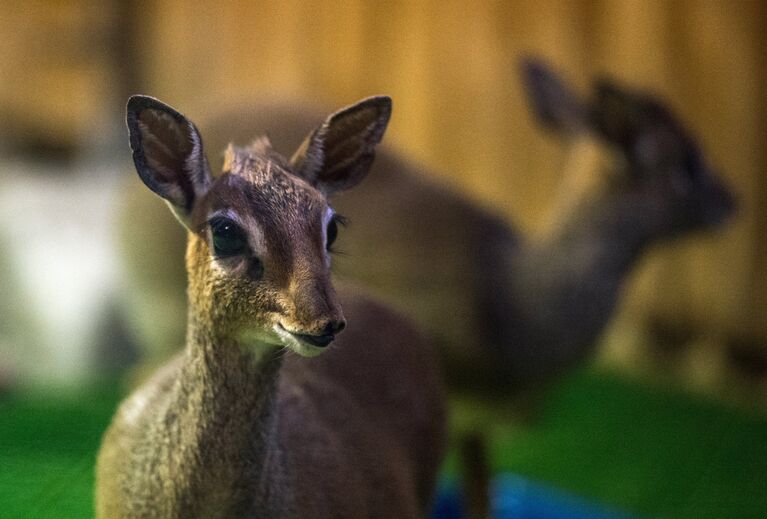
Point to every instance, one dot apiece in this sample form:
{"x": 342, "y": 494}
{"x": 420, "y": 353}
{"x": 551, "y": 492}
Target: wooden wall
{"x": 451, "y": 67}
{"x": 56, "y": 72}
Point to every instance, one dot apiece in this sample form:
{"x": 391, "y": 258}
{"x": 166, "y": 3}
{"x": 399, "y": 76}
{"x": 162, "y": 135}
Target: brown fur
{"x": 236, "y": 426}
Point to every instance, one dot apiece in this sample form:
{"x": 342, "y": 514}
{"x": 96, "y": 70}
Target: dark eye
{"x": 332, "y": 231}
{"x": 228, "y": 238}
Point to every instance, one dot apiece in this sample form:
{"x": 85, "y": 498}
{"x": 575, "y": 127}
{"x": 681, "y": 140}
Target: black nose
{"x": 334, "y": 327}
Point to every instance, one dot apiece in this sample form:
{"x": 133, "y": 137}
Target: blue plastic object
{"x": 516, "y": 497}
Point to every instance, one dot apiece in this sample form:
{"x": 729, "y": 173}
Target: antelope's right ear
{"x": 554, "y": 102}
{"x": 168, "y": 154}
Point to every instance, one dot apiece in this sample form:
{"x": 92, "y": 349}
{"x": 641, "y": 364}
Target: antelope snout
{"x": 320, "y": 335}
{"x": 312, "y": 314}
{"x": 335, "y": 326}
{"x": 324, "y": 336}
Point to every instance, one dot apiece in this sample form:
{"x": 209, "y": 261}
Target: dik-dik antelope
{"x": 506, "y": 309}
{"x": 240, "y": 424}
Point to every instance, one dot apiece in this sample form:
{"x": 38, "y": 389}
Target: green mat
{"x": 48, "y": 447}
{"x": 649, "y": 451}
{"x": 652, "y": 452}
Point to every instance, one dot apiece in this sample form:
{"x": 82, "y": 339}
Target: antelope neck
{"x": 231, "y": 413}
{"x": 238, "y": 377}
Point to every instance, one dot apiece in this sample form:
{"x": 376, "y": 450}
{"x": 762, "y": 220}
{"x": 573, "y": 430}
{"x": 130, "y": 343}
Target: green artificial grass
{"x": 48, "y": 444}
{"x": 649, "y": 451}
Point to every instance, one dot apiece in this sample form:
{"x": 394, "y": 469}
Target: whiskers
{"x": 284, "y": 351}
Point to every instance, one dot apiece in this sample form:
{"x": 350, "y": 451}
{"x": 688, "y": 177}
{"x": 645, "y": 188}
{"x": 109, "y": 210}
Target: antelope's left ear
{"x": 339, "y": 153}
{"x": 168, "y": 154}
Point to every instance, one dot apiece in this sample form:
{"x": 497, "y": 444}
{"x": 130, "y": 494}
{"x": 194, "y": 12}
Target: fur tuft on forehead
{"x": 262, "y": 146}
{"x": 237, "y": 158}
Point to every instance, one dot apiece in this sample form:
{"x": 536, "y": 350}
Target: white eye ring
{"x": 327, "y": 220}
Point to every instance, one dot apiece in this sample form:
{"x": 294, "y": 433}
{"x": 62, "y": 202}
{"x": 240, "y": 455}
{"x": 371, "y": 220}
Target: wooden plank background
{"x": 451, "y": 67}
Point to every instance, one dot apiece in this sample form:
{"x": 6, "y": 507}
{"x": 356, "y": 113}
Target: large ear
{"x": 168, "y": 154}
{"x": 617, "y": 114}
{"x": 553, "y": 101}
{"x": 339, "y": 153}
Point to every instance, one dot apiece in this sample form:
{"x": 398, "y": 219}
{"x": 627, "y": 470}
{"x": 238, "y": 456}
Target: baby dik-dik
{"x": 238, "y": 425}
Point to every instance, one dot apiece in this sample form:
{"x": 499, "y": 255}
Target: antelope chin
{"x": 259, "y": 342}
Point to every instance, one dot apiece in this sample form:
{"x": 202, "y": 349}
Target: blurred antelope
{"x": 505, "y": 310}
{"x": 234, "y": 427}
